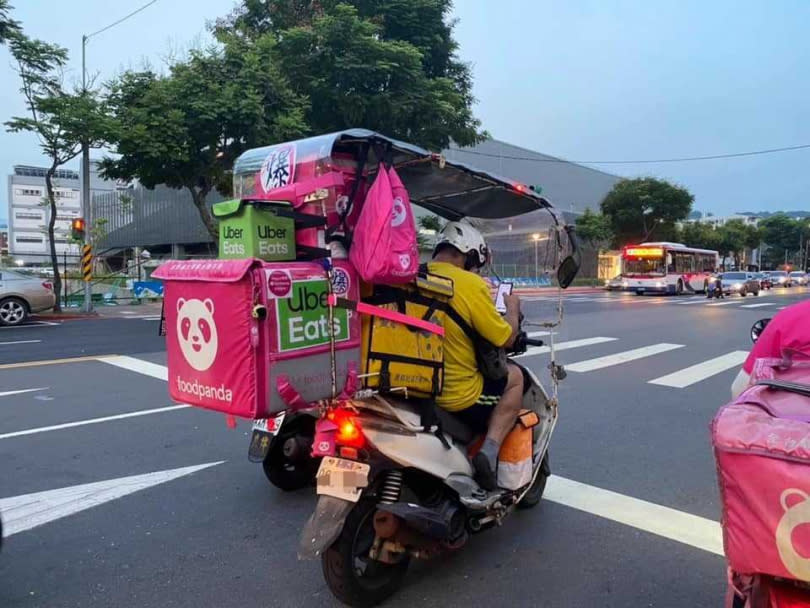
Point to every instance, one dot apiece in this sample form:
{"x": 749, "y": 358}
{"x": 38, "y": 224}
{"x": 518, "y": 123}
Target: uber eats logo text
{"x": 303, "y": 318}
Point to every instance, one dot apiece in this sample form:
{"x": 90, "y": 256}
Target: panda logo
{"x": 794, "y": 515}
{"x": 398, "y": 212}
{"x": 197, "y": 332}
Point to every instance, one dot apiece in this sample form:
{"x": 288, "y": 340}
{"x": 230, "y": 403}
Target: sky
{"x": 584, "y": 80}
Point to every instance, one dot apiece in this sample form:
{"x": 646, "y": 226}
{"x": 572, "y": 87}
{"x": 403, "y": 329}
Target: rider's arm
{"x": 488, "y": 322}
{"x": 512, "y": 316}
{"x": 769, "y": 344}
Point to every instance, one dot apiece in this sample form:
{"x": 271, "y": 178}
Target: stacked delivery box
{"x": 252, "y": 333}
{"x": 274, "y": 323}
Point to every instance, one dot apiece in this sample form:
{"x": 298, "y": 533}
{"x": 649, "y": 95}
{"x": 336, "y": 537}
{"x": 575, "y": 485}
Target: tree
{"x": 733, "y": 236}
{"x": 594, "y": 228}
{"x": 700, "y": 235}
{"x": 640, "y": 209}
{"x": 429, "y": 226}
{"x": 59, "y": 119}
{"x": 8, "y": 26}
{"x": 782, "y": 235}
{"x": 186, "y": 128}
{"x": 388, "y": 65}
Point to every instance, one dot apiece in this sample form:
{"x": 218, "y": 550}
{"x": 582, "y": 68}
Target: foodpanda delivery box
{"x": 762, "y": 447}
{"x": 324, "y": 176}
{"x": 250, "y": 338}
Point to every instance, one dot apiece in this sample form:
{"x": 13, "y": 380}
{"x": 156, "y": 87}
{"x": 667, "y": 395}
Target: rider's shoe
{"x": 484, "y": 475}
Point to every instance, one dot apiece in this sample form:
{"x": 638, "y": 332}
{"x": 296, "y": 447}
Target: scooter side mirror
{"x": 757, "y": 329}
{"x": 567, "y": 271}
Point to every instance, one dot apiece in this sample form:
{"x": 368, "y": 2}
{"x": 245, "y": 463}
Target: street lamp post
{"x": 87, "y": 208}
{"x": 87, "y": 211}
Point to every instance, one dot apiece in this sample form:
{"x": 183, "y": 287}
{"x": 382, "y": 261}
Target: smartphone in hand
{"x": 504, "y": 289}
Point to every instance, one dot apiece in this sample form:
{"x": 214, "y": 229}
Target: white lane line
{"x": 70, "y": 425}
{"x": 692, "y": 302}
{"x": 27, "y": 511}
{"x": 25, "y": 390}
{"x": 681, "y": 527}
{"x": 757, "y": 305}
{"x": 20, "y": 342}
{"x": 30, "y": 325}
{"x": 724, "y": 303}
{"x": 541, "y": 350}
{"x": 695, "y": 373}
{"x": 139, "y": 366}
{"x": 149, "y": 318}
{"x": 623, "y": 357}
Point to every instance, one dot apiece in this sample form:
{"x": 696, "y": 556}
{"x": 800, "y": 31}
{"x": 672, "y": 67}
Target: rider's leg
{"x": 500, "y": 423}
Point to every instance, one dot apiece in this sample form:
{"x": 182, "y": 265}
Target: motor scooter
{"x": 398, "y": 489}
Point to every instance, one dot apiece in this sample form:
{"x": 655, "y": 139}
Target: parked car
{"x": 742, "y": 283}
{"x": 617, "y": 283}
{"x": 21, "y": 295}
{"x": 798, "y": 278}
{"x": 781, "y": 278}
{"x": 765, "y": 280}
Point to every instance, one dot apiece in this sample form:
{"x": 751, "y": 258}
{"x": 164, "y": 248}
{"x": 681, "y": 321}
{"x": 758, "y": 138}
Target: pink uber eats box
{"x": 250, "y": 338}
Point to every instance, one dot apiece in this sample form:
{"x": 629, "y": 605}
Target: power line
{"x": 122, "y": 19}
{"x": 637, "y": 162}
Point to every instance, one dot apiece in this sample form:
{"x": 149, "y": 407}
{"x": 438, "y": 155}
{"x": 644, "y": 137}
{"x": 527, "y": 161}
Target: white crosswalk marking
{"x": 757, "y": 305}
{"x": 701, "y": 371}
{"x": 541, "y": 350}
{"x": 727, "y": 303}
{"x": 623, "y": 357}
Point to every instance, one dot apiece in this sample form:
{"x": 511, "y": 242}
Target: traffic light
{"x": 77, "y": 228}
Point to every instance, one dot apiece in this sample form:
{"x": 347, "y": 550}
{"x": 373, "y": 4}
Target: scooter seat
{"x": 453, "y": 426}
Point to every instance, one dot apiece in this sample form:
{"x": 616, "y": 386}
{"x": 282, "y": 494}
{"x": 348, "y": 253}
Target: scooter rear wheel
{"x": 535, "y": 493}
{"x": 350, "y": 574}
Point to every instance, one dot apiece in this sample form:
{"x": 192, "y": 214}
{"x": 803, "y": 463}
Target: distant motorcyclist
{"x": 485, "y": 405}
{"x": 788, "y": 331}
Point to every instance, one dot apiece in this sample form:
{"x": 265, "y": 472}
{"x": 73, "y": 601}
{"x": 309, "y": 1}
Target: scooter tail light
{"x": 348, "y": 430}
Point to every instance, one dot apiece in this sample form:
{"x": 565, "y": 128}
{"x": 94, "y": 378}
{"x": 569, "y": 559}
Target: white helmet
{"x": 467, "y": 240}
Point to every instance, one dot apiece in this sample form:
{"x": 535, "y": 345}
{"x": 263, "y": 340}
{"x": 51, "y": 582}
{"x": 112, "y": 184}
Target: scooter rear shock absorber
{"x": 391, "y": 487}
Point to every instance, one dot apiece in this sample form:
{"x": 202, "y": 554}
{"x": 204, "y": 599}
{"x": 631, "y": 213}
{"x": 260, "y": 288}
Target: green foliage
{"x": 9, "y": 28}
{"x": 431, "y": 222}
{"x": 646, "y": 208}
{"x": 387, "y": 65}
{"x": 785, "y": 237}
{"x": 60, "y": 119}
{"x": 700, "y": 235}
{"x": 185, "y": 129}
{"x": 594, "y": 228}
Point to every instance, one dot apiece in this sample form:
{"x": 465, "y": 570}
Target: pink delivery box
{"x": 762, "y": 447}
{"x": 250, "y": 338}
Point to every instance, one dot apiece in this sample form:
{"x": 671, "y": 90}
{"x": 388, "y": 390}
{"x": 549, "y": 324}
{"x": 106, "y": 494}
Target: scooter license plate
{"x": 340, "y": 478}
{"x": 264, "y": 430}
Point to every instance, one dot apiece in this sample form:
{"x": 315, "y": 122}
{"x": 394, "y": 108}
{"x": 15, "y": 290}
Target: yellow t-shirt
{"x": 471, "y": 299}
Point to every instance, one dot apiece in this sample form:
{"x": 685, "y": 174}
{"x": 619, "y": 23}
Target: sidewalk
{"x": 147, "y": 309}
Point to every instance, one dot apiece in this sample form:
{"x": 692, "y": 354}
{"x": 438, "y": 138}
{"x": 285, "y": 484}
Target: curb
{"x": 65, "y": 316}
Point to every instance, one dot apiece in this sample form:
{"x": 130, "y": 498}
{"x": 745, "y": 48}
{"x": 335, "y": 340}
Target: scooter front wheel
{"x": 351, "y": 575}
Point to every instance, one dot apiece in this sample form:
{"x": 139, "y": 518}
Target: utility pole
{"x": 87, "y": 211}
{"x": 87, "y": 207}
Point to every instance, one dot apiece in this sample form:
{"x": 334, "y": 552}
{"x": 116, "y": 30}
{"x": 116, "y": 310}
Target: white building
{"x": 28, "y": 215}
{"x": 713, "y": 220}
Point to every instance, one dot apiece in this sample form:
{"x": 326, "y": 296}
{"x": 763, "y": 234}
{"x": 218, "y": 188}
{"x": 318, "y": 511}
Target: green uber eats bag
{"x": 256, "y": 229}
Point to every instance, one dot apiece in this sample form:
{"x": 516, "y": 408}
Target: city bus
{"x": 667, "y": 268}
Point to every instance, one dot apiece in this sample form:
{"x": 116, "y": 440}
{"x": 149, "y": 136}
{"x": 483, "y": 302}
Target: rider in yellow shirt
{"x": 487, "y": 406}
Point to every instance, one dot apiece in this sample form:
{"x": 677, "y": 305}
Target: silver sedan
{"x": 22, "y": 295}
